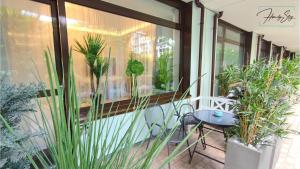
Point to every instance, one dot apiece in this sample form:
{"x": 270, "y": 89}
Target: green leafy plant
{"x": 95, "y": 141}
{"x": 163, "y": 77}
{"x": 15, "y": 103}
{"x": 227, "y": 78}
{"x": 92, "y": 49}
{"x": 263, "y": 107}
{"x": 100, "y": 67}
{"x": 134, "y": 69}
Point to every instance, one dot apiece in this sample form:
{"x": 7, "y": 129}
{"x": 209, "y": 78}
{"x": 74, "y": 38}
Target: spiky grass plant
{"x": 97, "y": 142}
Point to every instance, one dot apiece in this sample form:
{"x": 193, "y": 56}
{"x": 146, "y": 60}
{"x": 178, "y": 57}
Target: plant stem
{"x": 92, "y": 80}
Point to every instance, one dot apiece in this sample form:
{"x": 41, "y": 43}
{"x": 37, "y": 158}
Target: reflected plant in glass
{"x": 163, "y": 76}
{"x": 92, "y": 49}
{"x": 227, "y": 79}
{"x": 134, "y": 69}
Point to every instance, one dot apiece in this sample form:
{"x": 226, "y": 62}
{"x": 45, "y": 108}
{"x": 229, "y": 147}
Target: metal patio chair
{"x": 159, "y": 124}
{"x": 212, "y": 103}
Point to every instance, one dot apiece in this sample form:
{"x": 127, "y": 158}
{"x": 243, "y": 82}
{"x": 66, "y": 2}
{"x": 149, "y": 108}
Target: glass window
{"x": 220, "y": 31}
{"x": 25, "y": 32}
{"x": 234, "y": 36}
{"x": 218, "y": 68}
{"x": 275, "y": 52}
{"x": 146, "y": 42}
{"x": 157, "y": 9}
{"x": 264, "y": 50}
{"x": 229, "y": 51}
{"x": 233, "y": 55}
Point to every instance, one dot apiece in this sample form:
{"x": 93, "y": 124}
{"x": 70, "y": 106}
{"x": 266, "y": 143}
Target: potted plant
{"x": 262, "y": 111}
{"x": 92, "y": 49}
{"x": 134, "y": 69}
{"x": 164, "y": 71}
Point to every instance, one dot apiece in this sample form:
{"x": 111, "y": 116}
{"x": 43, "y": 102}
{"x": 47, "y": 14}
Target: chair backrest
{"x": 214, "y": 103}
{"x": 154, "y": 114}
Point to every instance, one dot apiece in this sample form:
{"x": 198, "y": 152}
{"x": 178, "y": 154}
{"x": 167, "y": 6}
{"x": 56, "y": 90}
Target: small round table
{"x": 207, "y": 117}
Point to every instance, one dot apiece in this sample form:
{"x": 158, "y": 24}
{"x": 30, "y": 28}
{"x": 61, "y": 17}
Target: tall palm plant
{"x": 92, "y": 49}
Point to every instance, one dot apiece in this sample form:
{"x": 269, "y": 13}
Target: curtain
{"x": 126, "y": 37}
{"x": 26, "y": 31}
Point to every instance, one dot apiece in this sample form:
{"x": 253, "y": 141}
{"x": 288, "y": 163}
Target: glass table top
{"x": 209, "y": 117}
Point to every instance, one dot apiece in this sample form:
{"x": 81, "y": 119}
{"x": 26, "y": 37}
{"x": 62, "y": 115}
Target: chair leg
{"x": 188, "y": 144}
{"x": 202, "y": 138}
{"x": 148, "y": 143}
{"x": 192, "y": 154}
{"x": 168, "y": 147}
{"x": 187, "y": 141}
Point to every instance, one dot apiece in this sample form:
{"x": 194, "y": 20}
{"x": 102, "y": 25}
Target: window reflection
{"x": 23, "y": 39}
{"x": 126, "y": 37}
{"x": 230, "y": 51}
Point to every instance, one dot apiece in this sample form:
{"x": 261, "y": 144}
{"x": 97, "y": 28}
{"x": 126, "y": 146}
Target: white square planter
{"x": 240, "y": 156}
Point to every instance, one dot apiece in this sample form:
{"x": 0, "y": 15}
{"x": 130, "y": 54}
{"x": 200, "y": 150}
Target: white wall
{"x": 207, "y": 53}
{"x": 254, "y": 47}
{"x": 195, "y": 49}
{"x": 206, "y": 66}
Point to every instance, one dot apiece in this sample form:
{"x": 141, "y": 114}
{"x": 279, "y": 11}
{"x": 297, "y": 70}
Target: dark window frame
{"x": 265, "y": 48}
{"x": 286, "y": 54}
{"x": 222, "y": 39}
{"x": 61, "y": 48}
{"x": 276, "y": 50}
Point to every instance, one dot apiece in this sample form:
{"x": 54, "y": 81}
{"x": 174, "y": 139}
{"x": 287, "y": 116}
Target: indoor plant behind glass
{"x": 92, "y": 49}
{"x": 163, "y": 76}
{"x": 134, "y": 69}
{"x": 262, "y": 111}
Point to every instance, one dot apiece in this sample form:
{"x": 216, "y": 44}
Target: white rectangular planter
{"x": 240, "y": 156}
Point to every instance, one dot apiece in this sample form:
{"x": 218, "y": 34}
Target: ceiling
{"x": 243, "y": 13}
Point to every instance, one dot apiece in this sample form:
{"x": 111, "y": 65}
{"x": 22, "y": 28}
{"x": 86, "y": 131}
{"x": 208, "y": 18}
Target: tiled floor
{"x": 289, "y": 156}
{"x": 198, "y": 162}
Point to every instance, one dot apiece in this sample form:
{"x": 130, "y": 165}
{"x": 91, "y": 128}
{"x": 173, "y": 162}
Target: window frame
{"x": 61, "y": 48}
{"x": 42, "y": 93}
{"x": 276, "y": 50}
{"x": 265, "y": 47}
{"x": 286, "y": 54}
{"x": 222, "y": 39}
{"x": 247, "y": 36}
